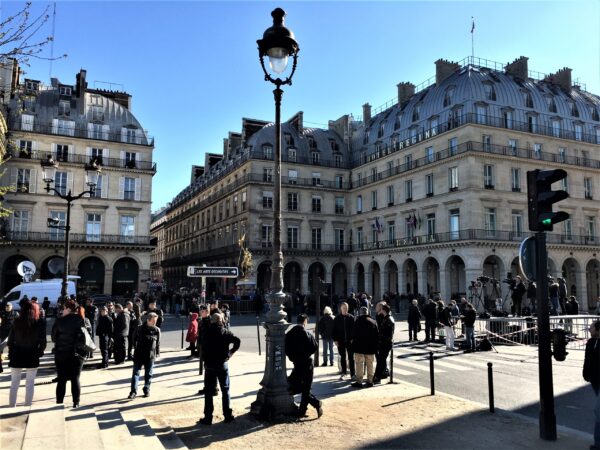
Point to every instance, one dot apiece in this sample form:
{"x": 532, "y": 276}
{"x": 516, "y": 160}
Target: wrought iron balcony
{"x": 33, "y": 237}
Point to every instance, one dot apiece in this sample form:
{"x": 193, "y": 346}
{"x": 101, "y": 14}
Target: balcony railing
{"x": 78, "y": 238}
{"x": 83, "y": 133}
{"x": 83, "y": 159}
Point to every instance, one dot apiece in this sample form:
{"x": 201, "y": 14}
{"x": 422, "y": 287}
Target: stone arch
{"x": 456, "y": 277}
{"x": 339, "y": 280}
{"x": 91, "y": 269}
{"x": 375, "y": 273}
{"x": 10, "y": 276}
{"x": 592, "y": 276}
{"x": 552, "y": 271}
{"x": 493, "y": 268}
{"x": 431, "y": 267}
{"x": 125, "y": 277}
{"x": 515, "y": 268}
{"x": 263, "y": 276}
{"x": 316, "y": 271}
{"x": 570, "y": 271}
{"x": 391, "y": 276}
{"x": 292, "y": 276}
{"x": 409, "y": 267}
{"x": 360, "y": 277}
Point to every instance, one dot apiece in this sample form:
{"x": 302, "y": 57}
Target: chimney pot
{"x": 443, "y": 69}
{"x": 405, "y": 91}
{"x": 366, "y": 113}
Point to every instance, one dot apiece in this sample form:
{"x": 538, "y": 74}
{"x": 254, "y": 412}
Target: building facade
{"x": 425, "y": 195}
{"x": 110, "y": 231}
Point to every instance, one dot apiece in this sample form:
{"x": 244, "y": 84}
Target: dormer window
{"x": 334, "y": 145}
{"x": 574, "y": 110}
{"x": 291, "y": 154}
{"x": 551, "y": 104}
{"x": 311, "y": 142}
{"x": 97, "y": 113}
{"x": 449, "y": 96}
{"x": 64, "y": 108}
{"x": 490, "y": 92}
{"x": 32, "y": 86}
{"x": 528, "y": 99}
{"x": 381, "y": 130}
{"x": 594, "y": 113}
{"x": 29, "y": 103}
{"x": 267, "y": 152}
{"x": 397, "y": 122}
{"x": 337, "y": 160}
{"x": 288, "y": 139}
{"x": 366, "y": 137}
{"x": 65, "y": 91}
{"x": 315, "y": 157}
{"x": 416, "y": 113}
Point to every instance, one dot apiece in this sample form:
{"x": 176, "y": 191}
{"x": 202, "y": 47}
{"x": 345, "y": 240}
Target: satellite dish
{"x": 26, "y": 268}
{"x": 56, "y": 265}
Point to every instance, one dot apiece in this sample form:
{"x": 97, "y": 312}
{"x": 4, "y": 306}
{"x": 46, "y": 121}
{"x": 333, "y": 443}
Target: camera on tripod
{"x": 512, "y": 283}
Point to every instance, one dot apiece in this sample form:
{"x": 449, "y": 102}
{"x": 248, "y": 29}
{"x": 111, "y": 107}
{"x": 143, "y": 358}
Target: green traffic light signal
{"x": 547, "y": 222}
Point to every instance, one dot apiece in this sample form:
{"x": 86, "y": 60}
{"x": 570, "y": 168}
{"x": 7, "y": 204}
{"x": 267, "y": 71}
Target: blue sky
{"x": 193, "y": 71}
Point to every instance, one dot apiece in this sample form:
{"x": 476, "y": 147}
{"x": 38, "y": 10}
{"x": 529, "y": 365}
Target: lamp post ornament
{"x": 274, "y": 400}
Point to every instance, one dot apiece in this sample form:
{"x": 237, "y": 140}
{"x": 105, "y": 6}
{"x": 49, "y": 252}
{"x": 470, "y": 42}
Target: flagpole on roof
{"x": 472, "y": 40}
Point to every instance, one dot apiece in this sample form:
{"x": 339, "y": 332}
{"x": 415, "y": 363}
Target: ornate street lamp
{"x": 273, "y": 399}
{"x": 92, "y": 171}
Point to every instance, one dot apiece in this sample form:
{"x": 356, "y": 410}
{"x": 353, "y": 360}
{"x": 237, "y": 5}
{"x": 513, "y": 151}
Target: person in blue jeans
{"x": 468, "y": 319}
{"x": 326, "y": 332}
{"x": 216, "y": 352}
{"x": 147, "y": 349}
{"x": 591, "y": 374}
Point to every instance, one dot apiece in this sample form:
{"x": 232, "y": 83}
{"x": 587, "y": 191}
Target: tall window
{"x": 481, "y": 114}
{"x": 268, "y": 174}
{"x": 565, "y": 184}
{"x": 27, "y": 122}
{"x": 454, "y": 224}
{"x": 129, "y": 188}
{"x": 97, "y": 154}
{"x": 292, "y": 237}
{"x": 339, "y": 205}
{"x": 578, "y": 132}
{"x": 316, "y": 178}
{"x": 127, "y": 228}
{"x": 60, "y": 182}
{"x": 488, "y": 176}
{"x": 591, "y": 228}
{"x": 267, "y": 200}
{"x": 292, "y": 201}
{"x": 556, "y": 128}
{"x": 568, "y": 229}
{"x": 24, "y": 180}
{"x": 62, "y": 152}
{"x": 490, "y": 221}
{"x": 587, "y": 188}
{"x": 508, "y": 119}
{"x": 487, "y": 143}
{"x": 97, "y": 113}
{"x": 359, "y": 237}
{"x": 58, "y": 234}
{"x": 316, "y": 238}
{"x": 532, "y": 124}
{"x": 359, "y": 204}
{"x": 292, "y": 176}
{"x": 408, "y": 190}
{"x": 408, "y": 161}
{"x": 267, "y": 235}
{"x": 391, "y": 227}
{"x": 429, "y": 154}
{"x": 337, "y": 160}
{"x": 409, "y": 229}
{"x": 20, "y": 223}
{"x": 430, "y": 222}
{"x": 267, "y": 152}
{"x": 316, "y": 204}
{"x": 130, "y": 159}
{"x": 429, "y": 184}
{"x": 315, "y": 157}
{"x": 453, "y": 178}
{"x": 515, "y": 177}
{"x": 512, "y": 144}
{"x": 562, "y": 154}
{"x": 517, "y": 223}
{"x": 25, "y": 149}
{"x": 64, "y": 108}
{"x": 373, "y": 199}
{"x": 339, "y": 239}
{"x": 537, "y": 151}
{"x": 339, "y": 181}
{"x": 291, "y": 154}
{"x": 99, "y": 187}
{"x": 93, "y": 227}
{"x": 390, "y": 195}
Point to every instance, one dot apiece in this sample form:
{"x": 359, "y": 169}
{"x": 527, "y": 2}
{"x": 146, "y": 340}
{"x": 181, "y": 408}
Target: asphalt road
{"x": 515, "y": 370}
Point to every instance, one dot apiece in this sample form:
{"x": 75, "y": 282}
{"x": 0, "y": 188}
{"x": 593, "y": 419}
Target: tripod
{"x": 490, "y": 299}
{"x": 475, "y": 296}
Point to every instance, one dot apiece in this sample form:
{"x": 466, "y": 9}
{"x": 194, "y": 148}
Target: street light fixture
{"x": 49, "y": 167}
{"x": 274, "y": 400}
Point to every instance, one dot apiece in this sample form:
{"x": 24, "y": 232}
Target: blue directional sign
{"x": 212, "y": 272}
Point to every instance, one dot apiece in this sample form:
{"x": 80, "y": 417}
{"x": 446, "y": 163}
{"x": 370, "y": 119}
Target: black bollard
{"x": 392, "y": 365}
{"x": 258, "y": 334}
{"x": 181, "y": 334}
{"x": 491, "y": 386}
{"x": 431, "y": 373}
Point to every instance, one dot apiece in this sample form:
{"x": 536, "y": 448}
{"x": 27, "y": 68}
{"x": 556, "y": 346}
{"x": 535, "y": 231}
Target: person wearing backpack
{"x": 147, "y": 349}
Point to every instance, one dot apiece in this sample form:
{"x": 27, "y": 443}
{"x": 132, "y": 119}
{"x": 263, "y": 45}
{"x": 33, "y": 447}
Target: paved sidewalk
{"x": 387, "y": 416}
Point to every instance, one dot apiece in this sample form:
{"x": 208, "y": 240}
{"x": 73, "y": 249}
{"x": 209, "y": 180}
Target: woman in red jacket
{"x": 192, "y": 334}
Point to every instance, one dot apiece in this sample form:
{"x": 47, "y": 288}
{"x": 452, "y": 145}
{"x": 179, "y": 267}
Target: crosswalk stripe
{"x": 424, "y": 368}
{"x": 451, "y": 366}
{"x": 398, "y": 371}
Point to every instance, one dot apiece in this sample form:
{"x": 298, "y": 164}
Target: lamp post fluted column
{"x": 274, "y": 399}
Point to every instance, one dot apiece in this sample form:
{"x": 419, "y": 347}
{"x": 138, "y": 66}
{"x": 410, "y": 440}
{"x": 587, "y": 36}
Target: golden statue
{"x": 245, "y": 258}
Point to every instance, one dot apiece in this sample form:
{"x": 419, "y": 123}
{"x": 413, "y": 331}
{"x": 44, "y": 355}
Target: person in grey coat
{"x": 121, "y": 333}
{"x": 326, "y": 333}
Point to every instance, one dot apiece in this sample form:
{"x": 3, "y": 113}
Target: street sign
{"x": 527, "y": 257}
{"x": 212, "y": 272}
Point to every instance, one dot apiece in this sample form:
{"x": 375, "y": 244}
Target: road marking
{"x": 405, "y": 363}
{"x": 398, "y": 371}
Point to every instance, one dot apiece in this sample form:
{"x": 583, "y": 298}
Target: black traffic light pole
{"x": 547, "y": 415}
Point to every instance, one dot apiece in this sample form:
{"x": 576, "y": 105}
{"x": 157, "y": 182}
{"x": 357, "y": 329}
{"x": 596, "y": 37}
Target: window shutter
{"x": 54, "y": 126}
{"x": 104, "y": 193}
{"x": 72, "y": 152}
{"x": 53, "y": 150}
{"x": 33, "y": 181}
{"x": 122, "y": 158}
{"x": 138, "y": 136}
{"x": 71, "y": 128}
{"x": 90, "y": 128}
{"x": 88, "y": 153}
{"x": 14, "y": 174}
{"x": 105, "y": 130}
{"x": 138, "y": 189}
{"x": 123, "y": 134}
{"x": 70, "y": 182}
{"x": 121, "y": 188}
{"x": 105, "y": 153}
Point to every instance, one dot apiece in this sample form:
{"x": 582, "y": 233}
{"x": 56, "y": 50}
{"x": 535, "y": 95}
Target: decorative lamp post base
{"x": 274, "y": 401}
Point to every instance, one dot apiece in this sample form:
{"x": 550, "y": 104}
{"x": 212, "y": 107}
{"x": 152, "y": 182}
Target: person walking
{"x": 430, "y": 314}
{"x": 447, "y": 321}
{"x": 7, "y": 320}
{"x": 217, "y": 350}
{"x": 562, "y": 294}
{"x": 135, "y": 320}
{"x": 192, "y": 334}
{"x": 385, "y": 342}
{"x": 343, "y": 327}
{"x": 67, "y": 356}
{"x": 468, "y": 320}
{"x": 517, "y": 296}
{"x": 300, "y": 345}
{"x": 91, "y": 314}
{"x": 26, "y": 344}
{"x": 104, "y": 331}
{"x": 326, "y": 332}
{"x": 591, "y": 374}
{"x": 414, "y": 321}
{"x": 364, "y": 341}
{"x": 153, "y": 308}
{"x": 146, "y": 350}
{"x": 121, "y": 333}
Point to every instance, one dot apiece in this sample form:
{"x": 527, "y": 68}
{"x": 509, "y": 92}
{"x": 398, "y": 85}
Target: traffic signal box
{"x": 541, "y": 197}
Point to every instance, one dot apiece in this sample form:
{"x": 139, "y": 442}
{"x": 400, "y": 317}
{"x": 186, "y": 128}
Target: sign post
{"x": 212, "y": 272}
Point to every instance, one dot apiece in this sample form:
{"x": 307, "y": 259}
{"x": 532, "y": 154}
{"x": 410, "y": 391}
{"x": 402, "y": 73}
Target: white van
{"x": 39, "y": 289}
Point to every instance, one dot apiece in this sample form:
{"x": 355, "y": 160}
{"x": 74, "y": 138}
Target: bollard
{"x": 491, "y": 386}
{"x": 258, "y": 334}
{"x": 392, "y": 365}
{"x": 181, "y": 334}
{"x": 431, "y": 373}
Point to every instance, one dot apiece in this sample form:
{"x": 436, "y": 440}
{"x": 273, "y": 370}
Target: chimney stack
{"x": 518, "y": 68}
{"x": 405, "y": 91}
{"x": 443, "y": 69}
{"x": 562, "y": 78}
{"x": 366, "y": 113}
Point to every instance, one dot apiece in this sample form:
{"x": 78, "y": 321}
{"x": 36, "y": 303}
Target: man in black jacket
{"x": 203, "y": 327}
{"x": 343, "y": 326}
{"x": 300, "y": 345}
{"x": 365, "y": 338}
{"x": 152, "y": 308}
{"x": 386, "y": 341}
{"x": 146, "y": 350}
{"x": 591, "y": 374}
{"x": 468, "y": 320}
{"x": 91, "y": 314}
{"x": 517, "y": 296}
{"x": 431, "y": 320}
{"x": 414, "y": 320}
{"x": 216, "y": 351}
{"x": 104, "y": 331}
{"x": 121, "y": 333}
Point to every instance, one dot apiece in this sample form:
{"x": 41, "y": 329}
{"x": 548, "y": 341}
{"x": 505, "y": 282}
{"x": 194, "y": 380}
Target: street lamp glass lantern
{"x": 278, "y": 59}
{"x": 49, "y": 167}
{"x": 278, "y": 43}
{"x": 92, "y": 172}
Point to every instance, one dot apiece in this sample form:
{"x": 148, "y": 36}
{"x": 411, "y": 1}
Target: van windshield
{"x": 15, "y": 295}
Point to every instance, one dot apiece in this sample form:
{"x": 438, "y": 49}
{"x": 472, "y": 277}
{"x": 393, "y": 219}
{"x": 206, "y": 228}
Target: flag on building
{"x": 378, "y": 225}
{"x": 419, "y": 220}
{"x": 472, "y": 24}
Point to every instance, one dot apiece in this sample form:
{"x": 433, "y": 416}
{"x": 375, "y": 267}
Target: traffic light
{"x": 541, "y": 197}
{"x": 559, "y": 344}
